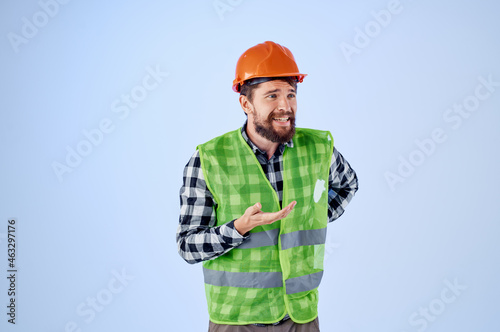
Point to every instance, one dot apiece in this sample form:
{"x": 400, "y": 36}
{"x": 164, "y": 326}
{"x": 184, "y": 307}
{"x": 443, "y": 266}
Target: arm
{"x": 342, "y": 185}
{"x": 198, "y": 238}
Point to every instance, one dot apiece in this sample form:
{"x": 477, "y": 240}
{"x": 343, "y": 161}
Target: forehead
{"x": 274, "y": 85}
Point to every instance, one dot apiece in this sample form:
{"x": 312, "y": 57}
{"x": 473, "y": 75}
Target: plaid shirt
{"x": 198, "y": 239}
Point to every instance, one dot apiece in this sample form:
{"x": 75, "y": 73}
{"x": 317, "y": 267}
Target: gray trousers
{"x": 287, "y": 326}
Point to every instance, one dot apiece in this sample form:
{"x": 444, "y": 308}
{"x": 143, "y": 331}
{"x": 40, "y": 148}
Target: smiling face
{"x": 271, "y": 114}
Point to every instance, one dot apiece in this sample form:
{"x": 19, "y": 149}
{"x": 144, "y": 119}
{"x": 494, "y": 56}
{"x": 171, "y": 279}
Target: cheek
{"x": 264, "y": 110}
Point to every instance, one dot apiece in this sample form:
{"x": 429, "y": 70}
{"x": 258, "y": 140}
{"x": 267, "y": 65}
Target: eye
{"x": 272, "y": 96}
{"x": 291, "y": 95}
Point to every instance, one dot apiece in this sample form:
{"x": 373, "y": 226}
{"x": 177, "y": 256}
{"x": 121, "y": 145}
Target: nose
{"x": 284, "y": 104}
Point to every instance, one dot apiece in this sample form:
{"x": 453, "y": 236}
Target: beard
{"x": 265, "y": 128}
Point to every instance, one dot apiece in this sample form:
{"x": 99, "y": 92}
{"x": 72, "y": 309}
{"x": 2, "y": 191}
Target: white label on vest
{"x": 318, "y": 190}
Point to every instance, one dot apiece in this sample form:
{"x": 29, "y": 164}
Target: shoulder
{"x": 307, "y": 134}
{"x": 313, "y": 142}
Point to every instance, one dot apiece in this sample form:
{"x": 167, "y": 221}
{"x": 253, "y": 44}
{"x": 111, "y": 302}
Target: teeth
{"x": 281, "y": 119}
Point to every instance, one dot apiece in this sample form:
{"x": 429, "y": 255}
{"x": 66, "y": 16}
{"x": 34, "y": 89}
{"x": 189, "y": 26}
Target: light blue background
{"x": 388, "y": 256}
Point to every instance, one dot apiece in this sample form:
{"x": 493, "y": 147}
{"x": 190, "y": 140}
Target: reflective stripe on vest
{"x": 261, "y": 239}
{"x": 243, "y": 279}
{"x": 303, "y": 238}
{"x": 290, "y": 240}
{"x": 304, "y": 283}
{"x": 262, "y": 280}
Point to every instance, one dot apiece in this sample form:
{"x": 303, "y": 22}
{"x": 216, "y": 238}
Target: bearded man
{"x": 256, "y": 201}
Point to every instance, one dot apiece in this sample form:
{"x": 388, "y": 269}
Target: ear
{"x": 246, "y": 105}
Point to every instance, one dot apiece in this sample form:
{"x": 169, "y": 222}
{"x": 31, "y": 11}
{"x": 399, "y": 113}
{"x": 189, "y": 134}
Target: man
{"x": 256, "y": 201}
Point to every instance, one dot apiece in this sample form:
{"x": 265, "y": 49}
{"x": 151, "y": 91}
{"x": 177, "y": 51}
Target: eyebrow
{"x": 276, "y": 90}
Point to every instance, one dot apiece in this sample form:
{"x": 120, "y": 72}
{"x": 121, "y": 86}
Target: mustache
{"x": 274, "y": 114}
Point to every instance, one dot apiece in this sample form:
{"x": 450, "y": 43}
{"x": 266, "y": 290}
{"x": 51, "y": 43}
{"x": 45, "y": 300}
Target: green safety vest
{"x": 279, "y": 268}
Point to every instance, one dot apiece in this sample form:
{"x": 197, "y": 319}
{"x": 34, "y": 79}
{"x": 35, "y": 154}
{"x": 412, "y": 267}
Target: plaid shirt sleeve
{"x": 343, "y": 184}
{"x": 198, "y": 239}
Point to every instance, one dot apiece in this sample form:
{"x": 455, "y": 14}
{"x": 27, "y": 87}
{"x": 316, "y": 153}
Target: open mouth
{"x": 282, "y": 120}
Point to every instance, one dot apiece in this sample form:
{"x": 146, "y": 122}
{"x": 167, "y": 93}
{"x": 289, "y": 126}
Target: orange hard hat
{"x": 268, "y": 59}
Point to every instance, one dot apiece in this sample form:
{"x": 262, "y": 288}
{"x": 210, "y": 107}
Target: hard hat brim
{"x": 258, "y": 79}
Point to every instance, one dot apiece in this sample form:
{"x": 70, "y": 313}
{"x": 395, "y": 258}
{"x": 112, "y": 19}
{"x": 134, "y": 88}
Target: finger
{"x": 274, "y": 216}
{"x": 287, "y": 209}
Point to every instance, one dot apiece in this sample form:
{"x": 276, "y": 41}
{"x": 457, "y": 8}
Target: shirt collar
{"x": 255, "y": 148}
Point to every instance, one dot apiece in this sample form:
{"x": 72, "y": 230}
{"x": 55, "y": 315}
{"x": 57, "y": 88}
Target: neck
{"x": 262, "y": 143}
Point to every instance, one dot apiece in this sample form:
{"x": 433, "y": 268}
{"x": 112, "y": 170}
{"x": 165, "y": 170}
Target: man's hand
{"x": 254, "y": 217}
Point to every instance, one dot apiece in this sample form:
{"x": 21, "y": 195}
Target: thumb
{"x": 254, "y": 208}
